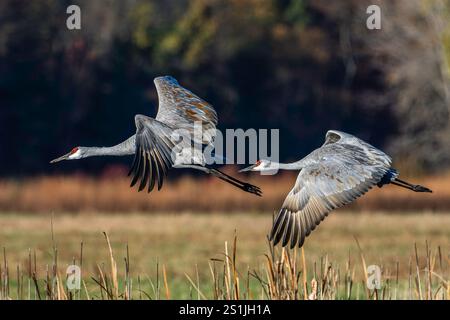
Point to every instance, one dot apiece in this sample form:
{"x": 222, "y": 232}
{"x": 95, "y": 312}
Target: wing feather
{"x": 295, "y": 230}
{"x": 180, "y": 108}
{"x": 151, "y": 183}
{"x": 342, "y": 171}
{"x": 145, "y": 172}
{"x": 288, "y": 229}
{"x": 153, "y": 153}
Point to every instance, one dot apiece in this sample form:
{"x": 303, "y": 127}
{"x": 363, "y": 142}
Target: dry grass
{"x": 80, "y": 193}
{"x": 183, "y": 256}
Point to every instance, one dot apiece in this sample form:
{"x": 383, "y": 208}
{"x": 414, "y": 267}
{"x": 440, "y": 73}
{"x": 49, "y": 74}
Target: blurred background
{"x": 300, "y": 66}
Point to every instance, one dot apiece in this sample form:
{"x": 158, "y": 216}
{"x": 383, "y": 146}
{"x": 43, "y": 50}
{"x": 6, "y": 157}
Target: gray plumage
{"x": 341, "y": 170}
{"x": 180, "y": 108}
{"x": 167, "y": 140}
{"x": 178, "y": 111}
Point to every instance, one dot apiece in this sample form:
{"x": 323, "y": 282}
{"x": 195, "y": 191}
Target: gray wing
{"x": 153, "y": 154}
{"x": 342, "y": 173}
{"x": 180, "y": 108}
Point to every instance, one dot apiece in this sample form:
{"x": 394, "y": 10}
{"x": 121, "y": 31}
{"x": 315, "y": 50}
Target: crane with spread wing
{"x": 160, "y": 143}
{"x": 341, "y": 170}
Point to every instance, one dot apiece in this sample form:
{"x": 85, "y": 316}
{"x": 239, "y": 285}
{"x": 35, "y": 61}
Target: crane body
{"x": 341, "y": 170}
{"x": 168, "y": 140}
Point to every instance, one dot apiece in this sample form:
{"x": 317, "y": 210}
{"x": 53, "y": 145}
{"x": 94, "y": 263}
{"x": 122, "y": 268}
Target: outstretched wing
{"x": 181, "y": 109}
{"x": 342, "y": 173}
{"x": 153, "y": 155}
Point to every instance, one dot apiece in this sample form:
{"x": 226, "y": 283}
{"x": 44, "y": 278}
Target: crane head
{"x": 75, "y": 153}
{"x": 259, "y": 165}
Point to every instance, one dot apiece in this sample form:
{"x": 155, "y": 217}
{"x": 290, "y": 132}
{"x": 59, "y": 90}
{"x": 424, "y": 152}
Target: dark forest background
{"x": 301, "y": 66}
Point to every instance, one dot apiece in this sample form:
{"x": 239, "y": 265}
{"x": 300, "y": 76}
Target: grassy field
{"x": 170, "y": 254}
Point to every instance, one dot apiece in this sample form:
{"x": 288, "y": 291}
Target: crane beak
{"x": 248, "y": 168}
{"x": 64, "y": 157}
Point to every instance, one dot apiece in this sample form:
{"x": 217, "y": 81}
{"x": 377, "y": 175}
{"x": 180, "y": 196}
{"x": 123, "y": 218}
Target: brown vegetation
{"x": 78, "y": 193}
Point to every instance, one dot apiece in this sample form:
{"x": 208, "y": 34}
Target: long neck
{"x": 286, "y": 166}
{"x": 124, "y": 148}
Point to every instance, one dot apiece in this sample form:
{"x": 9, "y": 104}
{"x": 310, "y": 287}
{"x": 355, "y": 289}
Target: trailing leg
{"x": 247, "y": 187}
{"x": 410, "y": 186}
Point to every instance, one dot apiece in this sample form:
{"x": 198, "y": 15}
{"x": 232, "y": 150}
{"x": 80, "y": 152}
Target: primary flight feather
{"x": 160, "y": 143}
{"x": 341, "y": 170}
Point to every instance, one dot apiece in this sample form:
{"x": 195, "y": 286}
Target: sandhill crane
{"x": 335, "y": 174}
{"x": 155, "y": 144}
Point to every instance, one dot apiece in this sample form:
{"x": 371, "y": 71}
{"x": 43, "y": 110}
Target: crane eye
{"x": 258, "y": 163}
{"x": 74, "y": 150}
